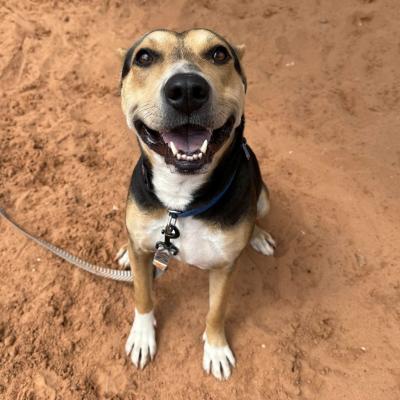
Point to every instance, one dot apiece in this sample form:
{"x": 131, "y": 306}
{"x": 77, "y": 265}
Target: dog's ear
{"x": 238, "y": 53}
{"x": 240, "y": 50}
{"x": 127, "y": 62}
{"x": 121, "y": 52}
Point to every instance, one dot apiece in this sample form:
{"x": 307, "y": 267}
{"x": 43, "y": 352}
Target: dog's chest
{"x": 199, "y": 244}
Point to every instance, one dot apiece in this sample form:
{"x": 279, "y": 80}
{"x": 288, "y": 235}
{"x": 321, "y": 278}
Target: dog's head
{"x": 183, "y": 93}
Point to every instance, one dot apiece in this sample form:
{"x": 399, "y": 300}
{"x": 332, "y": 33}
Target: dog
{"x": 183, "y": 94}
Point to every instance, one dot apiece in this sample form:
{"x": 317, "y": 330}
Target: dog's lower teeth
{"x": 182, "y": 156}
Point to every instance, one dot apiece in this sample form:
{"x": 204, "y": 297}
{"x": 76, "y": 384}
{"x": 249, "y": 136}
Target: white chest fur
{"x": 199, "y": 244}
{"x": 173, "y": 189}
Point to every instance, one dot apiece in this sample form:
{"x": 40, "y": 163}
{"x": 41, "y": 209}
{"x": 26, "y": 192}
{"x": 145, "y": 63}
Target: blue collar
{"x": 201, "y": 209}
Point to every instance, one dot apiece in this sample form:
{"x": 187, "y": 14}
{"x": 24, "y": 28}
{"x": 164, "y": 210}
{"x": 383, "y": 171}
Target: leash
{"x": 109, "y": 273}
{"x": 164, "y": 249}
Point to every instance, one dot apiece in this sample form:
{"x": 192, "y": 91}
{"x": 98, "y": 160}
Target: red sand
{"x": 321, "y": 320}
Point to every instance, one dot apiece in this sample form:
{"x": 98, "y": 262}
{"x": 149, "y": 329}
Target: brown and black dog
{"x": 183, "y": 94}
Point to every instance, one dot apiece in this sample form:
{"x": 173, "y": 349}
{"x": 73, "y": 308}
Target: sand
{"x": 320, "y": 320}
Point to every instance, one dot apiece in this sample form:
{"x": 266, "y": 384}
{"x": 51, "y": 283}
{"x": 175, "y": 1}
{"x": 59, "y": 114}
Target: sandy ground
{"x": 321, "y": 320}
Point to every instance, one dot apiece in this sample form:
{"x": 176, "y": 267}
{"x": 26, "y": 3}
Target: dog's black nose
{"x": 187, "y": 92}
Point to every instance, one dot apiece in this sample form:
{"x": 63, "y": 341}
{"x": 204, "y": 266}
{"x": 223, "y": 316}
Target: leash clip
{"x": 165, "y": 249}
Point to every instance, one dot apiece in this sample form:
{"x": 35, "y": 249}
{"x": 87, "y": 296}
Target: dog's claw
{"x": 263, "y": 242}
{"x": 218, "y": 360}
{"x": 141, "y": 343}
{"x": 122, "y": 258}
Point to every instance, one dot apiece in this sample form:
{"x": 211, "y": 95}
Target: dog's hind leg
{"x": 141, "y": 343}
{"x": 261, "y": 240}
{"x": 122, "y": 257}
{"x": 218, "y": 358}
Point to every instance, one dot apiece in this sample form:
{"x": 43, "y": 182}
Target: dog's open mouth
{"x": 187, "y": 147}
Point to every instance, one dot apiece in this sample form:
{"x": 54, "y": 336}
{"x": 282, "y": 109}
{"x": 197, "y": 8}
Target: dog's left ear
{"x": 121, "y": 52}
{"x": 126, "y": 64}
{"x": 240, "y": 50}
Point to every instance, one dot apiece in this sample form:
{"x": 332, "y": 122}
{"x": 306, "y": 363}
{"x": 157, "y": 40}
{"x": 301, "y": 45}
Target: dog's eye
{"x": 220, "y": 55}
{"x": 144, "y": 58}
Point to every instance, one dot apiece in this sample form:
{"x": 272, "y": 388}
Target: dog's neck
{"x": 175, "y": 190}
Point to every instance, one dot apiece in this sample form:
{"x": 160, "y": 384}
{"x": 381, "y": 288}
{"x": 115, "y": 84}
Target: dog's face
{"x": 183, "y": 93}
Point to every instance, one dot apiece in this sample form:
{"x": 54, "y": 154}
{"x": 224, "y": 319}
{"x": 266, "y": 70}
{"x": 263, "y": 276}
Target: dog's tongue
{"x": 187, "y": 139}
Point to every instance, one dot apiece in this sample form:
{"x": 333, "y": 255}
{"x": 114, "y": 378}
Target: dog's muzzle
{"x": 187, "y": 141}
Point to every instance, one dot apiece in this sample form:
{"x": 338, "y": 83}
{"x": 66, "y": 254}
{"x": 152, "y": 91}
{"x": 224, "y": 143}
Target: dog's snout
{"x": 187, "y": 92}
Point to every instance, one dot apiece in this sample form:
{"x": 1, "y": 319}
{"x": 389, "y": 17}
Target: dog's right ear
{"x": 240, "y": 50}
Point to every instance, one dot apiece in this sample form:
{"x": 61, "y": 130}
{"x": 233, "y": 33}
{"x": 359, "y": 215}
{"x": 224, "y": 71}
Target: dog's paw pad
{"x": 141, "y": 344}
{"x": 263, "y": 242}
{"x": 122, "y": 258}
{"x": 218, "y": 360}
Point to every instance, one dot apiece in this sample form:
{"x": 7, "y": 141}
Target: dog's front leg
{"x": 141, "y": 343}
{"x": 218, "y": 357}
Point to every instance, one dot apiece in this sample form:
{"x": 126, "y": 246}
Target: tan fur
{"x": 220, "y": 283}
{"x": 140, "y": 93}
{"x": 143, "y": 273}
{"x": 136, "y": 222}
{"x": 240, "y": 50}
{"x": 121, "y": 52}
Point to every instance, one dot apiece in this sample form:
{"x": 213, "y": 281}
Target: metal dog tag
{"x": 161, "y": 258}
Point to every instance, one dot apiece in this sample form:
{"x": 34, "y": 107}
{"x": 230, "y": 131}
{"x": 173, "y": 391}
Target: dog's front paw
{"x": 262, "y": 242}
{"x": 218, "y": 360}
{"x": 141, "y": 343}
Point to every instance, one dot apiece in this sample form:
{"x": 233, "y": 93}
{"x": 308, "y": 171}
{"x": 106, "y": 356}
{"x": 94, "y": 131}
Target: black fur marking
{"x": 141, "y": 187}
{"x": 126, "y": 67}
{"x": 242, "y": 195}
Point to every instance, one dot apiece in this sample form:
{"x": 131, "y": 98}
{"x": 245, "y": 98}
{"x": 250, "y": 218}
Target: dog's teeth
{"x": 200, "y": 155}
{"x": 195, "y": 156}
{"x": 179, "y": 156}
{"x": 190, "y": 158}
{"x": 173, "y": 148}
{"x": 184, "y": 157}
{"x": 203, "y": 147}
